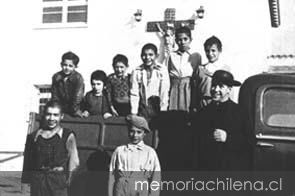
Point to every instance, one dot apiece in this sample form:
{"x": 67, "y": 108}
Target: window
{"x": 77, "y": 13}
{"x": 52, "y": 15}
{"x": 44, "y": 95}
{"x": 64, "y": 13}
{"x": 279, "y": 107}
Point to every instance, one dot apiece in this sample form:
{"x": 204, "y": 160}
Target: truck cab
{"x": 269, "y": 100}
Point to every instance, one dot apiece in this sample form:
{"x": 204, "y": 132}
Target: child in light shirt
{"x": 134, "y": 162}
{"x": 181, "y": 64}
{"x": 203, "y": 75}
{"x": 149, "y": 85}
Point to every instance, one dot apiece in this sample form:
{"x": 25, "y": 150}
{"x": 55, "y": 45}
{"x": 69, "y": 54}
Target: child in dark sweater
{"x": 95, "y": 101}
{"x": 68, "y": 85}
{"x": 118, "y": 87}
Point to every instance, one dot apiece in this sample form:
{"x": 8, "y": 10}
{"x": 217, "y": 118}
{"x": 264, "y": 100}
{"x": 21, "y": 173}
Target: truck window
{"x": 279, "y": 107}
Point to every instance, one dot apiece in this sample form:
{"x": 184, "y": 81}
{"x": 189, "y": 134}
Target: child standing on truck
{"x": 68, "y": 85}
{"x": 181, "y": 64}
{"x": 95, "y": 101}
{"x": 134, "y": 163}
{"x": 149, "y": 85}
{"x": 50, "y": 156}
{"x": 202, "y": 76}
{"x": 118, "y": 87}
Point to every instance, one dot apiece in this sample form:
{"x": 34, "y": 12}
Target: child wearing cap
{"x": 134, "y": 163}
{"x": 68, "y": 85}
{"x": 95, "y": 101}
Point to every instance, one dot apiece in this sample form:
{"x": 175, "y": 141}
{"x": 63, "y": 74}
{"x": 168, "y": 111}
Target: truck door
{"x": 275, "y": 127}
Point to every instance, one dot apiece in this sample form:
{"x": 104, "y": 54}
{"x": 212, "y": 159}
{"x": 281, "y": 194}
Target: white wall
{"x": 30, "y": 56}
{"x": 284, "y": 35}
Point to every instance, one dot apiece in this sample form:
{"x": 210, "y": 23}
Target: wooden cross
{"x": 169, "y": 20}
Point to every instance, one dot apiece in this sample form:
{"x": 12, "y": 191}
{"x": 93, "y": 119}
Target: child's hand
{"x": 159, "y": 28}
{"x": 58, "y": 169}
{"x": 85, "y": 114}
{"x": 114, "y": 111}
{"x": 78, "y": 113}
{"x": 107, "y": 115}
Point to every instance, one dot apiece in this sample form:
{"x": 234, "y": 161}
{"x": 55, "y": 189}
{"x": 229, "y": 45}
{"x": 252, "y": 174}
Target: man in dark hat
{"x": 222, "y": 140}
{"x": 135, "y": 163}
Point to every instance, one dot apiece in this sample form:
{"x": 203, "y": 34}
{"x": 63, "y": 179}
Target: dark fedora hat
{"x": 224, "y": 77}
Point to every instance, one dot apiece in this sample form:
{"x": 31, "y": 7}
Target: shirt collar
{"x": 155, "y": 67}
{"x": 134, "y": 147}
{"x": 58, "y": 132}
{"x": 185, "y": 52}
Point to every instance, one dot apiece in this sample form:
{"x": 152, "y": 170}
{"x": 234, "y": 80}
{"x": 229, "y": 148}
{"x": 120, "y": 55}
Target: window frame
{"x": 262, "y": 127}
{"x": 64, "y": 23}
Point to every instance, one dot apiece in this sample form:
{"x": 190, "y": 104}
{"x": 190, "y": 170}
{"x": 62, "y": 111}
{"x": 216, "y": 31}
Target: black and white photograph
{"x": 147, "y": 98}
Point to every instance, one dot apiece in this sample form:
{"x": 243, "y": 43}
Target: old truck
{"x": 269, "y": 100}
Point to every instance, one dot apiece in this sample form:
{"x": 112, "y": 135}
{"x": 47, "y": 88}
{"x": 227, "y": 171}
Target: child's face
{"x": 148, "y": 57}
{"x": 183, "y": 41}
{"x": 212, "y": 53}
{"x": 97, "y": 86}
{"x": 136, "y": 135}
{"x": 68, "y": 66}
{"x": 53, "y": 117}
{"x": 120, "y": 69}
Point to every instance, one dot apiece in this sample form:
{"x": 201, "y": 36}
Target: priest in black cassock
{"x": 223, "y": 140}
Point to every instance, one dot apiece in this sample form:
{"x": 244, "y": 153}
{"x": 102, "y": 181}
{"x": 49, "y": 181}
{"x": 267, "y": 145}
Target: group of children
{"x": 51, "y": 158}
{"x": 181, "y": 83}
{"x": 109, "y": 95}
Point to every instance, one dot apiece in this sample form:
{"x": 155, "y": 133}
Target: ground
{"x": 10, "y": 174}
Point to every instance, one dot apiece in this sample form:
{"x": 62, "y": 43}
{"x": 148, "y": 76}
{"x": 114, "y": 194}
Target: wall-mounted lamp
{"x": 138, "y": 15}
{"x": 200, "y": 12}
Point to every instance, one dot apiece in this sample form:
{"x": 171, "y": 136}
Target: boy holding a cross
{"x": 181, "y": 64}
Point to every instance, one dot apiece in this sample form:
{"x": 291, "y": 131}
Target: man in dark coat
{"x": 222, "y": 139}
